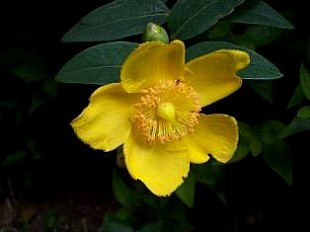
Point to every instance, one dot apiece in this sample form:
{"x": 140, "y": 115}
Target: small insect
{"x": 178, "y": 81}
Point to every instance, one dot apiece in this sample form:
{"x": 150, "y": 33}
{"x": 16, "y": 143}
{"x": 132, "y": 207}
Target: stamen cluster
{"x": 154, "y": 128}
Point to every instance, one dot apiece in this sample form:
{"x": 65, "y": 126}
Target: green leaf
{"x": 186, "y": 192}
{"x": 189, "y": 18}
{"x": 275, "y": 152}
{"x": 249, "y": 142}
{"x": 257, "y": 35}
{"x": 116, "y": 20}
{"x": 24, "y": 63}
{"x": 111, "y": 223}
{"x": 304, "y": 112}
{"x": 50, "y": 87}
{"x": 271, "y": 130}
{"x": 152, "y": 227}
{"x": 260, "y": 13}
{"x": 123, "y": 194}
{"x": 242, "y": 151}
{"x": 277, "y": 156}
{"x": 297, "y": 97}
{"x": 262, "y": 87}
{"x": 14, "y": 158}
{"x": 305, "y": 81}
{"x": 99, "y": 64}
{"x": 296, "y": 126}
{"x": 212, "y": 174}
{"x": 259, "y": 68}
{"x": 38, "y": 99}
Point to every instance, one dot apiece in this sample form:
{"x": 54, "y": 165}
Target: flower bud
{"x": 154, "y": 32}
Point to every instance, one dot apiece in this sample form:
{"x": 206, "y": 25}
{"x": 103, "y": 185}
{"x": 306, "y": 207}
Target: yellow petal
{"x": 162, "y": 168}
{"x": 197, "y": 153}
{"x": 213, "y": 75}
{"x": 104, "y": 124}
{"x": 216, "y": 135}
{"x": 151, "y": 63}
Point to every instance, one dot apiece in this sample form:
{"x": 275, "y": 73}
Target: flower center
{"x": 167, "y": 112}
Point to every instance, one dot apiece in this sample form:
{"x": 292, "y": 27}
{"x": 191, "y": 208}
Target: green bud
{"x": 154, "y": 32}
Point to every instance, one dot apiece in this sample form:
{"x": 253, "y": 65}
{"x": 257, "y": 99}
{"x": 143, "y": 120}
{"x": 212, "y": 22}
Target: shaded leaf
{"x": 259, "y": 68}
{"x": 277, "y": 156}
{"x": 118, "y": 19}
{"x": 186, "y": 192}
{"x": 123, "y": 194}
{"x": 242, "y": 151}
{"x": 304, "y": 112}
{"x": 99, "y": 64}
{"x": 305, "y": 81}
{"x": 50, "y": 87}
{"x": 38, "y": 99}
{"x": 296, "y": 126}
{"x": 189, "y": 18}
{"x": 112, "y": 223}
{"x": 262, "y": 87}
{"x": 271, "y": 130}
{"x": 259, "y": 12}
{"x": 24, "y": 63}
{"x": 297, "y": 97}
{"x": 249, "y": 142}
{"x": 14, "y": 158}
{"x": 257, "y": 35}
{"x": 152, "y": 227}
{"x": 276, "y": 152}
{"x": 212, "y": 174}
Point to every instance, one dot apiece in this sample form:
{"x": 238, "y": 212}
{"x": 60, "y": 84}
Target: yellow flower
{"x": 155, "y": 113}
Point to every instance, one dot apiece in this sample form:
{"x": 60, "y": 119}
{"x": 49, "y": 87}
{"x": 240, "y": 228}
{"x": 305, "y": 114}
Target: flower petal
{"x": 216, "y": 135}
{"x": 104, "y": 124}
{"x": 197, "y": 153}
{"x": 161, "y": 167}
{"x": 213, "y": 75}
{"x": 151, "y": 63}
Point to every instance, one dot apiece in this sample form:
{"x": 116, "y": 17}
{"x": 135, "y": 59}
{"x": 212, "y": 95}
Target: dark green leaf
{"x": 275, "y": 151}
{"x": 304, "y": 112}
{"x": 99, "y": 64}
{"x": 38, "y": 99}
{"x": 271, "y": 130}
{"x": 186, "y": 192}
{"x": 123, "y": 194}
{"x": 277, "y": 156}
{"x": 189, "y": 18}
{"x": 14, "y": 158}
{"x": 251, "y": 134}
{"x": 263, "y": 87}
{"x": 296, "y": 126}
{"x": 242, "y": 151}
{"x": 249, "y": 142}
{"x": 297, "y": 98}
{"x": 212, "y": 174}
{"x": 259, "y": 68}
{"x": 118, "y": 19}
{"x": 24, "y": 63}
{"x": 259, "y": 12}
{"x": 50, "y": 87}
{"x": 257, "y": 35}
{"x": 152, "y": 227}
{"x": 112, "y": 223}
{"x": 305, "y": 81}
{"x": 32, "y": 144}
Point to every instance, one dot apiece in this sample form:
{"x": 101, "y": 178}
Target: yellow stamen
{"x": 167, "y": 112}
